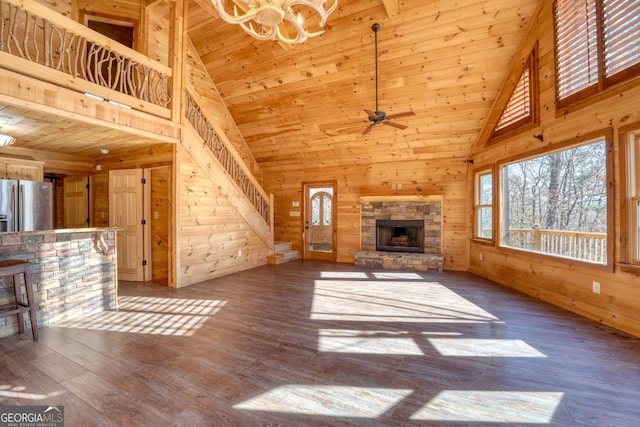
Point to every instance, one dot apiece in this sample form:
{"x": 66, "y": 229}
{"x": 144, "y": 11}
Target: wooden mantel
{"x": 422, "y": 199}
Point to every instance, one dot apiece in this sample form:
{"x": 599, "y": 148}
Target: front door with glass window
{"x": 319, "y": 221}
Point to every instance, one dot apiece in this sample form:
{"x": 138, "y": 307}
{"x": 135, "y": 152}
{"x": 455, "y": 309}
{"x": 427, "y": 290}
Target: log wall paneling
{"x": 445, "y": 178}
{"x": 156, "y": 156}
{"x": 212, "y": 238}
{"x": 157, "y": 27}
{"x": 563, "y": 282}
{"x": 127, "y": 10}
{"x": 216, "y": 110}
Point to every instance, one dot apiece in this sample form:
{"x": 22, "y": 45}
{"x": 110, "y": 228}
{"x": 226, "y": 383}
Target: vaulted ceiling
{"x": 303, "y": 105}
{"x": 444, "y": 60}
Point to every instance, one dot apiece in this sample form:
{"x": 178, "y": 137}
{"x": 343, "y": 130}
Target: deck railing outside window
{"x": 571, "y": 244}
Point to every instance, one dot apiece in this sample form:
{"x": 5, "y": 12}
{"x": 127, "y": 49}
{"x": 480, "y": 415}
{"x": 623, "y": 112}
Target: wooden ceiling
{"x": 303, "y": 106}
{"x": 44, "y": 131}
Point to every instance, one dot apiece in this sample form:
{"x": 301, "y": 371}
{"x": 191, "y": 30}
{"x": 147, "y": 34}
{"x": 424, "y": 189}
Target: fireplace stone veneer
{"x": 407, "y": 208}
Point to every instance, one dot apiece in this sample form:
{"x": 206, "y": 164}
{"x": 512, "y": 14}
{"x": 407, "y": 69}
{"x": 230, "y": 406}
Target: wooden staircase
{"x": 283, "y": 253}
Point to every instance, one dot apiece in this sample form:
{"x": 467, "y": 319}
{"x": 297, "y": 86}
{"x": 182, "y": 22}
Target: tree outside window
{"x": 556, "y": 203}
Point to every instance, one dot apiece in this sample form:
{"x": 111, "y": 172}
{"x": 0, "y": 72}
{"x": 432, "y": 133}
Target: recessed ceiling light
{"x": 104, "y": 150}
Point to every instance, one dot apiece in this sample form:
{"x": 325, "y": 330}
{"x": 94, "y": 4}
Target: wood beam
{"x": 392, "y": 7}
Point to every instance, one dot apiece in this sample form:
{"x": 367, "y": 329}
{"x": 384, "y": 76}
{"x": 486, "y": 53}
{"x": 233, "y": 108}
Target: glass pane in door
{"x": 319, "y": 221}
{"x": 320, "y": 229}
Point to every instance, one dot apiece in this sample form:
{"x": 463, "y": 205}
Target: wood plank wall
{"x": 209, "y": 231}
{"x": 564, "y": 283}
{"x": 445, "y": 178}
{"x": 156, "y": 156}
{"x": 198, "y": 78}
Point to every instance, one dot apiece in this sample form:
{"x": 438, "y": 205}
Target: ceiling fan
{"x": 376, "y": 117}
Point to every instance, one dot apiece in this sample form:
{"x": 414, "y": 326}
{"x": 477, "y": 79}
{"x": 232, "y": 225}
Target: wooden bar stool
{"x": 15, "y": 268}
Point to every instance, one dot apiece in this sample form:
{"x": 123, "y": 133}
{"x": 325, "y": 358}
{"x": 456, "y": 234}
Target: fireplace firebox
{"x": 400, "y": 235}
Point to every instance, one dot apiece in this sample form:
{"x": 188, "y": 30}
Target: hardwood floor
{"x": 324, "y": 344}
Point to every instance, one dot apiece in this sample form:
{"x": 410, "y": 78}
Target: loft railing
{"x": 253, "y": 192}
{"x": 579, "y": 245}
{"x": 34, "y": 34}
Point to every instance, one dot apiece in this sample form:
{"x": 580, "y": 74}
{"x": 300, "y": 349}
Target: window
{"x": 522, "y": 106}
{"x": 556, "y": 203}
{"x": 631, "y": 194}
{"x": 484, "y": 205}
{"x": 321, "y": 200}
{"x": 597, "y": 46}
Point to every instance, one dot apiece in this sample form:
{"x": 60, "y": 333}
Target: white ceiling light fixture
{"x": 284, "y": 20}
{"x": 6, "y": 140}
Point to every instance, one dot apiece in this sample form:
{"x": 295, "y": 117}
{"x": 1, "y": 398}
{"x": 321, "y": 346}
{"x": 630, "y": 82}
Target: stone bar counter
{"x": 74, "y": 272}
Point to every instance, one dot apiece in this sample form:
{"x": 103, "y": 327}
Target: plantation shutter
{"x": 621, "y": 26}
{"x": 519, "y": 106}
{"x": 576, "y": 46}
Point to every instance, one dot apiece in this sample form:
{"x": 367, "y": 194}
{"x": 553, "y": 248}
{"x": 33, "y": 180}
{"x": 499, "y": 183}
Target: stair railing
{"x": 80, "y": 58}
{"x": 236, "y": 170}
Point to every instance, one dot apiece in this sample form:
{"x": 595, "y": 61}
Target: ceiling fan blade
{"x": 394, "y": 124}
{"x": 368, "y": 129}
{"x": 372, "y": 114}
{"x": 405, "y": 114}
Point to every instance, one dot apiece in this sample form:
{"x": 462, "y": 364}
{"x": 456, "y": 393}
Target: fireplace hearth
{"x": 400, "y": 235}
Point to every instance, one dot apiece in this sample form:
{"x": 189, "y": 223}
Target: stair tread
{"x": 289, "y": 254}
{"x": 280, "y": 247}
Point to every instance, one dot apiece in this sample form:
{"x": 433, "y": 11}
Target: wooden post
{"x": 537, "y": 238}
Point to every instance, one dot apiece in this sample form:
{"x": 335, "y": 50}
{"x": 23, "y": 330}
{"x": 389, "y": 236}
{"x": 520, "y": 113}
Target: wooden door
{"x": 125, "y": 210}
{"x": 76, "y": 202}
{"x": 319, "y": 221}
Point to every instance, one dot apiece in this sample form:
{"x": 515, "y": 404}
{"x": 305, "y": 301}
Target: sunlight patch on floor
{"x": 393, "y": 301}
{"x": 394, "y": 275}
{"x": 491, "y": 406}
{"x": 20, "y": 392}
{"x": 155, "y": 316}
{"x": 326, "y": 400}
{"x": 474, "y": 347}
{"x": 367, "y": 342}
{"x": 343, "y": 275}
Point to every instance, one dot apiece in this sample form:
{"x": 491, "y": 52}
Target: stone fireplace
{"x": 401, "y": 233}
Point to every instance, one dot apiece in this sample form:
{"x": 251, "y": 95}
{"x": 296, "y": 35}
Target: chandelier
{"x": 284, "y": 20}
{"x": 6, "y": 140}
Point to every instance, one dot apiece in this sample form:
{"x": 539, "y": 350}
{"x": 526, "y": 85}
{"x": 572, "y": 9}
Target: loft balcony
{"x": 55, "y": 71}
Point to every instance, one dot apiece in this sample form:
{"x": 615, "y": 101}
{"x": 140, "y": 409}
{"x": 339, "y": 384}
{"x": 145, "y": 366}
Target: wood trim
{"x": 334, "y": 221}
{"x": 533, "y": 120}
{"x": 511, "y": 79}
{"x": 177, "y": 49}
{"x": 59, "y": 78}
{"x": 625, "y": 241}
{"x": 423, "y": 199}
{"x": 494, "y": 222}
{"x": 607, "y": 134}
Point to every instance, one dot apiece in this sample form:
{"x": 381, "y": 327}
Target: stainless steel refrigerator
{"x": 26, "y": 205}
